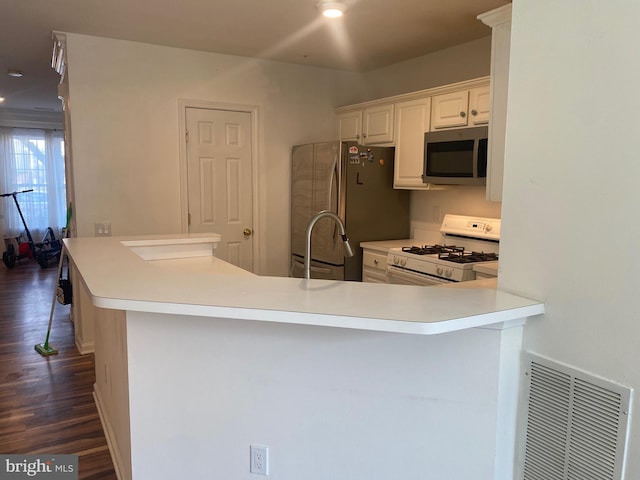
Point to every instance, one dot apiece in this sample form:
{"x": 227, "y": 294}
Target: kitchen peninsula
{"x": 196, "y": 360}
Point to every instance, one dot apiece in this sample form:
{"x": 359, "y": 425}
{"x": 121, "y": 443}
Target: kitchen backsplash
{"x": 429, "y": 207}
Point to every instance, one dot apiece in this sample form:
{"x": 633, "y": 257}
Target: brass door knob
{"x": 247, "y": 232}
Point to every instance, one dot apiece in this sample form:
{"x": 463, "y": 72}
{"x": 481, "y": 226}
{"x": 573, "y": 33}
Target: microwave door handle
{"x": 476, "y": 152}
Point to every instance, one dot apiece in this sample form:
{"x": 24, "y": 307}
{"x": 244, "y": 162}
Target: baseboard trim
{"x": 109, "y": 434}
{"x": 85, "y": 347}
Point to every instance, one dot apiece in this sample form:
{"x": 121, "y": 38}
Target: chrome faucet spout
{"x": 343, "y": 234}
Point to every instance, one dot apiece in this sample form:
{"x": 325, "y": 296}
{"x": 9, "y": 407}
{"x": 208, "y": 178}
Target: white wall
{"x": 572, "y": 185}
{"x": 462, "y": 62}
{"x": 330, "y": 403}
{"x": 124, "y": 113}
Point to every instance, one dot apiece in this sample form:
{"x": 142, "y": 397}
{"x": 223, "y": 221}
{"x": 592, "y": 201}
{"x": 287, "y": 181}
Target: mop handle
{"x": 55, "y": 292}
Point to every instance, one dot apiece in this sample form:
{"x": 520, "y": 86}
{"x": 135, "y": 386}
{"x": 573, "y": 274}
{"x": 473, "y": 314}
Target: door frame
{"x": 183, "y": 104}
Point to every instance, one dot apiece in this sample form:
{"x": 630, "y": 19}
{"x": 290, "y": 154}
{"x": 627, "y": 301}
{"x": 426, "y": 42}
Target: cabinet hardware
{"x": 463, "y": 114}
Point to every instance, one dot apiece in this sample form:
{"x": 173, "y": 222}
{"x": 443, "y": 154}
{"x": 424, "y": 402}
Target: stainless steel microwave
{"x": 456, "y": 156}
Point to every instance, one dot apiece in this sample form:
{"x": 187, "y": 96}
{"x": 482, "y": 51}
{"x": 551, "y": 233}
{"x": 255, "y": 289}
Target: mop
{"x": 45, "y": 348}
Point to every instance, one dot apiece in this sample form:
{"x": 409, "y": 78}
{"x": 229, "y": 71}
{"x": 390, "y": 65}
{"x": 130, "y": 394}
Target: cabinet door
{"x": 450, "y": 110}
{"x": 412, "y": 121}
{"x": 374, "y": 267}
{"x": 350, "y": 126}
{"x": 372, "y": 276}
{"x": 479, "y": 106}
{"x": 378, "y": 125}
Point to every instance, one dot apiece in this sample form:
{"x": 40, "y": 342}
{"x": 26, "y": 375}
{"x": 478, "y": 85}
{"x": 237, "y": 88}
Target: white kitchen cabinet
{"x": 500, "y": 22}
{"x": 479, "y": 106}
{"x": 374, "y": 267}
{"x": 411, "y": 123}
{"x": 370, "y": 126}
{"x": 402, "y": 121}
{"x": 450, "y": 110}
{"x": 350, "y": 126}
{"x": 378, "y": 125}
{"x": 486, "y": 270}
{"x": 460, "y": 109}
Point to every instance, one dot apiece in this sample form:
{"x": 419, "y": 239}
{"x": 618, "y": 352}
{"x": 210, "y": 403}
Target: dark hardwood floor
{"x": 46, "y": 403}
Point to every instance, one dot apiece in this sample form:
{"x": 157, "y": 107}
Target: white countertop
{"x": 118, "y": 278}
{"x": 383, "y": 246}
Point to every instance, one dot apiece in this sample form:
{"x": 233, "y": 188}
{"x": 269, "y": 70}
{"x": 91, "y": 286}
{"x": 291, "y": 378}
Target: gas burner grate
{"x": 468, "y": 257}
{"x": 432, "y": 249}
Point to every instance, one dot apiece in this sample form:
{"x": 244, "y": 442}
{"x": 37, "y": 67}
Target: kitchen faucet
{"x": 312, "y": 222}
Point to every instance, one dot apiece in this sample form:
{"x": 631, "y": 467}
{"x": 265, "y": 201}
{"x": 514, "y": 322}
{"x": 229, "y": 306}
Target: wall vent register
{"x": 575, "y": 426}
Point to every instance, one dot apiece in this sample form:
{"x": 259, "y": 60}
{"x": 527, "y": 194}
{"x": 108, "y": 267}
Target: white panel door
{"x": 219, "y": 180}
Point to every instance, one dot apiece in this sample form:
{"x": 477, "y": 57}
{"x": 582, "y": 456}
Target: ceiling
{"x": 372, "y": 33}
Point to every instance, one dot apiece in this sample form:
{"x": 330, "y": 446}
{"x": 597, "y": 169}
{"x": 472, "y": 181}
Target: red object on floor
{"x": 25, "y": 250}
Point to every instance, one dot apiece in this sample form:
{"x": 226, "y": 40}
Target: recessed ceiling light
{"x": 12, "y": 72}
{"x": 1, "y": 99}
{"x": 332, "y": 9}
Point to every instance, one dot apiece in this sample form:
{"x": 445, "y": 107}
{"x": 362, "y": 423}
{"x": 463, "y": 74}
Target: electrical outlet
{"x": 259, "y": 459}
{"x": 103, "y": 229}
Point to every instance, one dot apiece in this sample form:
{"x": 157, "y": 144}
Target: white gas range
{"x": 465, "y": 241}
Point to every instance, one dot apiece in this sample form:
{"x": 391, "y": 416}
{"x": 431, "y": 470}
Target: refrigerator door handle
{"x": 335, "y": 179}
{"x": 313, "y": 269}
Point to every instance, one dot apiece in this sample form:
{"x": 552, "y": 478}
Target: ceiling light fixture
{"x": 12, "y": 72}
{"x": 332, "y": 9}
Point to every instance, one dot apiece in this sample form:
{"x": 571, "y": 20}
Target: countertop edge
{"x": 137, "y": 286}
{"x": 498, "y": 320}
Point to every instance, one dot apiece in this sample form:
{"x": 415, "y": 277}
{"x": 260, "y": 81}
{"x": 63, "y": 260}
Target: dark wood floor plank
{"x": 46, "y": 403}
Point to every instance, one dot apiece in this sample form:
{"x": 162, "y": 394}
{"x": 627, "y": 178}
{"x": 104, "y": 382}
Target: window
{"x": 32, "y": 159}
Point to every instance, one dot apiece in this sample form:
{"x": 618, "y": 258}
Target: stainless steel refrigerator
{"x": 356, "y": 183}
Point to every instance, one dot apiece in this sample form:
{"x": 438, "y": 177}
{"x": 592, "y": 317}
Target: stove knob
{"x": 395, "y": 260}
{"x": 439, "y": 270}
{"x": 489, "y": 227}
{"x": 403, "y": 262}
{"x": 448, "y": 273}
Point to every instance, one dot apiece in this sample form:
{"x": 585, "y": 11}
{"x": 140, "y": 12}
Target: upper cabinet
{"x": 412, "y": 121}
{"x": 500, "y": 22}
{"x": 369, "y": 126}
{"x": 464, "y": 108}
{"x": 350, "y": 126}
{"x": 479, "y": 106}
{"x": 402, "y": 121}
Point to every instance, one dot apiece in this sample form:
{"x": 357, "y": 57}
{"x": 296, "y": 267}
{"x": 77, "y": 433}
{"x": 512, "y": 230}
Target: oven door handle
{"x": 400, "y": 276}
